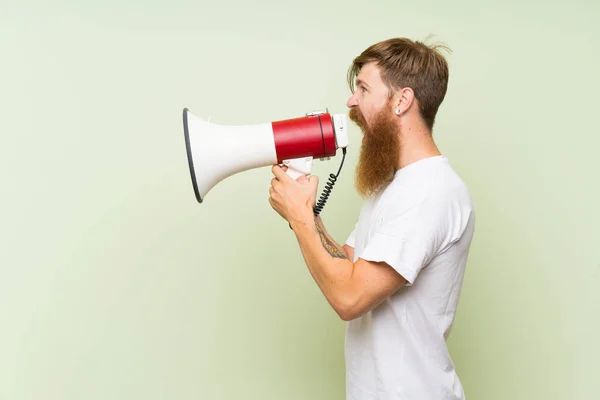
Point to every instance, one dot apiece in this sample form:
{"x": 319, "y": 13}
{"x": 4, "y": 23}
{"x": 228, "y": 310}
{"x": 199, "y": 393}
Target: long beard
{"x": 379, "y": 152}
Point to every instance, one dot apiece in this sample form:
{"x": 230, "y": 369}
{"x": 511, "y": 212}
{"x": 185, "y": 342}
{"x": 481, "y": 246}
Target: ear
{"x": 403, "y": 100}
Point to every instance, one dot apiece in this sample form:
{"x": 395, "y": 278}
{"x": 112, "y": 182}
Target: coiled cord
{"x": 328, "y": 187}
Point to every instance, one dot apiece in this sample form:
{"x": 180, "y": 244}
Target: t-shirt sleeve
{"x": 407, "y": 240}
{"x": 351, "y": 241}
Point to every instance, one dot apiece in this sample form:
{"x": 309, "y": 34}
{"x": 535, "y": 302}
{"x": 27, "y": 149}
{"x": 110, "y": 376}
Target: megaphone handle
{"x": 298, "y": 167}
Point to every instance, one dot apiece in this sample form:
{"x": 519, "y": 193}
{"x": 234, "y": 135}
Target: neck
{"x": 416, "y": 144}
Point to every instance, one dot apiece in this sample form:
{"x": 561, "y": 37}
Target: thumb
{"x": 302, "y": 179}
{"x": 313, "y": 180}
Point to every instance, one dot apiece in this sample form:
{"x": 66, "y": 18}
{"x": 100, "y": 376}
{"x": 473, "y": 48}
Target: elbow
{"x": 346, "y": 315}
{"x": 349, "y": 314}
{"x": 348, "y": 310}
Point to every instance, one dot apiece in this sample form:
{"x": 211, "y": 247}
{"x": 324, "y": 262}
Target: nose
{"x": 352, "y": 101}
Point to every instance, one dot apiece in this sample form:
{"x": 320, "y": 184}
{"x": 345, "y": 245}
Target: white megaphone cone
{"x": 216, "y": 152}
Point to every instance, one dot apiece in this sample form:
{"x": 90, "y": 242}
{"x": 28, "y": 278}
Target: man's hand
{"x": 293, "y": 199}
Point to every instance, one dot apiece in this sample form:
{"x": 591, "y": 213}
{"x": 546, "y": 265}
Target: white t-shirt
{"x": 422, "y": 225}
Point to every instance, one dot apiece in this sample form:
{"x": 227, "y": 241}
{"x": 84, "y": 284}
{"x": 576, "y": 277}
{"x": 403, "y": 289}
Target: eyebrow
{"x": 361, "y": 82}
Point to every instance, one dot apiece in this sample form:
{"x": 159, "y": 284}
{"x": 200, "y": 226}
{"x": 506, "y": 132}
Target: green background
{"x": 116, "y": 284}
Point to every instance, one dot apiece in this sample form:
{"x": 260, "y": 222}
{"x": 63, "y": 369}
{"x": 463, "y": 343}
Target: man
{"x": 398, "y": 277}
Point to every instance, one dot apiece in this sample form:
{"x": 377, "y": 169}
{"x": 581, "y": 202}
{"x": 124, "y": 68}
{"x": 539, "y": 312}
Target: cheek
{"x": 364, "y": 107}
{"x": 368, "y": 113}
{"x": 370, "y": 106}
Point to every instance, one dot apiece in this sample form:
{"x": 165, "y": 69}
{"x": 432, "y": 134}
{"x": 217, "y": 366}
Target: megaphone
{"x": 215, "y": 152}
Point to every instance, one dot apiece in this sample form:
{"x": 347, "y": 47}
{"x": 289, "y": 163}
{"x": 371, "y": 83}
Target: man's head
{"x": 400, "y": 85}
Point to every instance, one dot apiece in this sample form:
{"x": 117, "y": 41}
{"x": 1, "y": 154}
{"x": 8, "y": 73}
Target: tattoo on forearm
{"x": 329, "y": 246}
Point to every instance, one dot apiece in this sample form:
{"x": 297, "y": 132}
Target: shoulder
{"x": 432, "y": 182}
{"x": 432, "y": 196}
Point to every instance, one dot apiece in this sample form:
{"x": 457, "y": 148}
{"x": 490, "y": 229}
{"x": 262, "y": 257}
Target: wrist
{"x": 304, "y": 221}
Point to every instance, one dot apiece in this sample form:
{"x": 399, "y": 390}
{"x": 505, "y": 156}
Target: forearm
{"x": 328, "y": 264}
{"x": 330, "y": 245}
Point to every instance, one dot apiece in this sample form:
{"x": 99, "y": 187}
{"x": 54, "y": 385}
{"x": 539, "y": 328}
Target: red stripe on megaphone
{"x": 310, "y": 136}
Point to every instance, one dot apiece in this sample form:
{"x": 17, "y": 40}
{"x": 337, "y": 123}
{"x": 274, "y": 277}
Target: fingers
{"x": 274, "y": 189}
{"x": 280, "y": 173}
